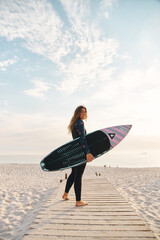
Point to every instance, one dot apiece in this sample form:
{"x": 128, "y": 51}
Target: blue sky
{"x": 58, "y": 54}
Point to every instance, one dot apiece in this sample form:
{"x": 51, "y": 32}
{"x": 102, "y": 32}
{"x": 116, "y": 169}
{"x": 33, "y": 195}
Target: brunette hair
{"x": 75, "y": 117}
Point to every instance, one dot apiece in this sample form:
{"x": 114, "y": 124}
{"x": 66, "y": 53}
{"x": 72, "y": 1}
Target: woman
{"x": 76, "y": 126}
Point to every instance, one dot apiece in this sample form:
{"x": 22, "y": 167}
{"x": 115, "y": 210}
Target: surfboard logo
{"x": 112, "y": 135}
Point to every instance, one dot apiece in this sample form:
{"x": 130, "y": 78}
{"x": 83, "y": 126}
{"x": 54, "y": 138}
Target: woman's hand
{"x": 89, "y": 157}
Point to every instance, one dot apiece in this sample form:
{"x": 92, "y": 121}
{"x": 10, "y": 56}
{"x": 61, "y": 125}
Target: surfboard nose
{"x": 128, "y": 126}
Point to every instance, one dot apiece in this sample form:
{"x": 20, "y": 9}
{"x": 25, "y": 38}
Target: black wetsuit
{"x": 77, "y": 172}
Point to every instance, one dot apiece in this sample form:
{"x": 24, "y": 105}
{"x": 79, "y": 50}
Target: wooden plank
{"x": 99, "y": 227}
{"x": 90, "y": 222}
{"x": 95, "y": 213}
{"x": 90, "y": 207}
{"x": 90, "y": 210}
{"x": 91, "y": 233}
{"x": 108, "y": 216}
{"x": 103, "y": 201}
{"x": 113, "y": 217}
{"x": 44, "y": 237}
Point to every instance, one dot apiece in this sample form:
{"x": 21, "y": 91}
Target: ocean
{"x": 127, "y": 160}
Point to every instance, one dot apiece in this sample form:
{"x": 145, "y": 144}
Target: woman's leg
{"x": 78, "y": 184}
{"x": 69, "y": 184}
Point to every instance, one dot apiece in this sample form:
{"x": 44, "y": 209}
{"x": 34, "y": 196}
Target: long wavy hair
{"x": 75, "y": 117}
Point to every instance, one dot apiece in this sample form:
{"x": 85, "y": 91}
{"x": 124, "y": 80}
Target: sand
{"x": 141, "y": 188}
{"x": 24, "y": 188}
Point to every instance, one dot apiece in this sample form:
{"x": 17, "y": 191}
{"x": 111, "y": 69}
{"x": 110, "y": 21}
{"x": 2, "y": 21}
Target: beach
{"x": 24, "y": 188}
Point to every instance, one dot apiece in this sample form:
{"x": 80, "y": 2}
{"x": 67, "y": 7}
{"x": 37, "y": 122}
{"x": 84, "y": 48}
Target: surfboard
{"x": 72, "y": 153}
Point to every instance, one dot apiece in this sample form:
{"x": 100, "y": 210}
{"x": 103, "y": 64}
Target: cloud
{"x": 92, "y": 52}
{"x": 125, "y": 56}
{"x": 80, "y": 50}
{"x": 39, "y": 133}
{"x": 4, "y": 64}
{"x": 132, "y": 97}
{"x": 4, "y": 84}
{"x": 6, "y": 103}
{"x": 35, "y": 133}
{"x": 137, "y": 80}
{"x": 106, "y": 5}
{"x": 37, "y": 24}
{"x": 39, "y": 89}
{"x": 92, "y": 67}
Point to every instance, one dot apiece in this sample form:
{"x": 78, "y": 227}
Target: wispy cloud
{"x": 37, "y": 24}
{"x": 125, "y": 56}
{"x": 133, "y": 96}
{"x": 4, "y": 84}
{"x": 39, "y": 90}
{"x": 31, "y": 133}
{"x": 4, "y": 64}
{"x": 81, "y": 51}
{"x": 92, "y": 52}
{"x": 106, "y": 6}
{"x": 6, "y": 103}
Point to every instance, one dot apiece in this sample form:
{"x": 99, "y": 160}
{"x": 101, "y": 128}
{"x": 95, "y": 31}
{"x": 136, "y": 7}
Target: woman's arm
{"x": 80, "y": 129}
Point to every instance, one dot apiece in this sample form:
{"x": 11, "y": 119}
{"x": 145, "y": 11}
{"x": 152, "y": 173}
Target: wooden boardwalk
{"x": 108, "y": 216}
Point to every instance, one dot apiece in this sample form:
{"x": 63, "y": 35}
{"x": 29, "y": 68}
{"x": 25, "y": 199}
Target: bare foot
{"x": 65, "y": 196}
{"x": 81, "y": 203}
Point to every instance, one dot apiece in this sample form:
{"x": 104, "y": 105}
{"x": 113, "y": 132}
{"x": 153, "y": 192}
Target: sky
{"x": 58, "y": 54}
